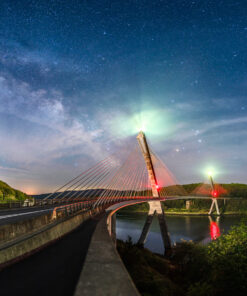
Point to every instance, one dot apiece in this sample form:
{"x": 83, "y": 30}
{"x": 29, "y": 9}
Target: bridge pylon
{"x": 214, "y": 194}
{"x": 154, "y": 206}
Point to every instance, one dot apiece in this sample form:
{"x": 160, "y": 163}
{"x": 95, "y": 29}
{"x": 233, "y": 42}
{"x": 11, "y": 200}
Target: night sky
{"x": 79, "y": 78}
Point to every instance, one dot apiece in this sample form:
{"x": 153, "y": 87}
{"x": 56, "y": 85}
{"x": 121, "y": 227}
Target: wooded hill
{"x": 232, "y": 189}
{"x": 8, "y": 194}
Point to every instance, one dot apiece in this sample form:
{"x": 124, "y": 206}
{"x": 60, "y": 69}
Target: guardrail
{"x": 9, "y": 205}
{"x": 70, "y": 209}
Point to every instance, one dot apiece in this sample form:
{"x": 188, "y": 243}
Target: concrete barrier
{"x": 103, "y": 272}
{"x": 12, "y": 231}
{"x": 15, "y": 250}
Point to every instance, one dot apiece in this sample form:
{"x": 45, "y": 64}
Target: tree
{"x": 227, "y": 259}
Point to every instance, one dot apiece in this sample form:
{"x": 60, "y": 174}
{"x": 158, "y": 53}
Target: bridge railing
{"x": 70, "y": 209}
{"x": 9, "y": 205}
{"x": 91, "y": 200}
{"x": 73, "y": 207}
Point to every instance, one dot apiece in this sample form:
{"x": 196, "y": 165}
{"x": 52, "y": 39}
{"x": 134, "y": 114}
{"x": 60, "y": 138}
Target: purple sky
{"x": 74, "y": 76}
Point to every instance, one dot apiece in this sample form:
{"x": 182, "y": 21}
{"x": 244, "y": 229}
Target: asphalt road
{"x": 20, "y": 214}
{"x": 53, "y": 270}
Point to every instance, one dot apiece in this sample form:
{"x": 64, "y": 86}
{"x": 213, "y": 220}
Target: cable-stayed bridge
{"x": 114, "y": 179}
{"x": 86, "y": 205}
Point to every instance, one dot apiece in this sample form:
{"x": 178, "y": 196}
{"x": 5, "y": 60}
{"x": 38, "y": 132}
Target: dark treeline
{"x": 229, "y": 205}
{"x": 232, "y": 189}
{"x": 235, "y": 205}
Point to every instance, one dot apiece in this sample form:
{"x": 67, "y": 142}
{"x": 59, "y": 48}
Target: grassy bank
{"x": 9, "y": 194}
{"x": 219, "y": 268}
{"x": 234, "y": 206}
{"x": 202, "y": 212}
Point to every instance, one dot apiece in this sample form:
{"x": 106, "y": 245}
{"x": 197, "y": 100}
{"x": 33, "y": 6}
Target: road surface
{"x": 20, "y": 214}
{"x": 53, "y": 270}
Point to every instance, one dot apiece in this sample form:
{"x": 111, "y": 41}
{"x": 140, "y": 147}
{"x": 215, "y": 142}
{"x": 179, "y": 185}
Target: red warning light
{"x": 157, "y": 186}
{"x": 214, "y": 193}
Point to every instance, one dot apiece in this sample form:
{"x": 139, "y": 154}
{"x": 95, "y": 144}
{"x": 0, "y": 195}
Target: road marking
{"x": 21, "y": 214}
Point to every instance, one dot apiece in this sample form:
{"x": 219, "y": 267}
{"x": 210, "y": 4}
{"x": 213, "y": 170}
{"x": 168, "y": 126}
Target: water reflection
{"x": 214, "y": 228}
{"x": 198, "y": 229}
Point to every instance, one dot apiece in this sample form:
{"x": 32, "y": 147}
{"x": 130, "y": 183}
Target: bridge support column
{"x": 214, "y": 203}
{"x": 188, "y": 204}
{"x": 146, "y": 229}
{"x": 214, "y": 193}
{"x": 156, "y": 208}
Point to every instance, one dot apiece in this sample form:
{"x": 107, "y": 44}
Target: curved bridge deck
{"x": 52, "y": 271}
{"x": 56, "y": 269}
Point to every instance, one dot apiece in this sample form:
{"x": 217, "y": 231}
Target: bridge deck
{"x": 52, "y": 271}
{"x": 15, "y": 215}
{"x": 21, "y": 214}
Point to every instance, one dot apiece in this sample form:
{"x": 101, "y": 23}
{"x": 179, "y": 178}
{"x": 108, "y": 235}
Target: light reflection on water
{"x": 198, "y": 228}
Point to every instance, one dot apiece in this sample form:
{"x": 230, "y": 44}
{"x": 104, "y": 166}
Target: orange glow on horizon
{"x": 29, "y": 191}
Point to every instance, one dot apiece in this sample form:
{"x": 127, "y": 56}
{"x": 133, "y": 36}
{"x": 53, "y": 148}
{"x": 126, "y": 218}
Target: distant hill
{"x": 82, "y": 193}
{"x": 231, "y": 190}
{"x": 7, "y": 193}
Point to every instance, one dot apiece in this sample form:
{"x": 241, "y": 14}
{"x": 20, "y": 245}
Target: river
{"x": 195, "y": 228}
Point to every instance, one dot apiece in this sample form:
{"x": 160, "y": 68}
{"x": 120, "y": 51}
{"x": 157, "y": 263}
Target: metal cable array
{"x": 114, "y": 179}
{"x": 168, "y": 184}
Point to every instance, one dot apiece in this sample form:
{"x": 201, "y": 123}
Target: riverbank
{"x": 189, "y": 213}
{"x": 197, "y": 208}
{"x": 202, "y": 213}
{"x": 220, "y": 268}
{"x": 177, "y": 212}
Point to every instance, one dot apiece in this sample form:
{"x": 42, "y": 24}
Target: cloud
{"x": 224, "y": 122}
{"x": 37, "y": 129}
{"x": 11, "y": 169}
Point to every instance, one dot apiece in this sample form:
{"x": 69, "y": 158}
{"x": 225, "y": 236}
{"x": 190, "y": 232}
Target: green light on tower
{"x": 154, "y": 122}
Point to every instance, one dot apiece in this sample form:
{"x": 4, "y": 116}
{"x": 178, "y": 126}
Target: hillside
{"x": 8, "y": 193}
{"x": 232, "y": 189}
{"x": 199, "y": 206}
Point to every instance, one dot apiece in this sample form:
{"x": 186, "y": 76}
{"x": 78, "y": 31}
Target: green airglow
{"x": 154, "y": 122}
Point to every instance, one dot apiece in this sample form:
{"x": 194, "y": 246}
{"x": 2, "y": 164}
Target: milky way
{"x": 75, "y": 74}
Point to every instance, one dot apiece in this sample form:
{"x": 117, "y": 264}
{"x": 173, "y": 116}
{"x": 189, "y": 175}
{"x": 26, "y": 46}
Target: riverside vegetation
{"x": 236, "y": 205}
{"x": 219, "y": 268}
{"x": 232, "y": 206}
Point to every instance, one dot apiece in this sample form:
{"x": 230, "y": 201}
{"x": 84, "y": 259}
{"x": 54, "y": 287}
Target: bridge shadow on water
{"x": 52, "y": 271}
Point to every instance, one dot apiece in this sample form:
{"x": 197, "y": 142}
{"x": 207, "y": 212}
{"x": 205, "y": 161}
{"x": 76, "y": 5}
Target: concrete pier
{"x": 156, "y": 208}
{"x": 214, "y": 203}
